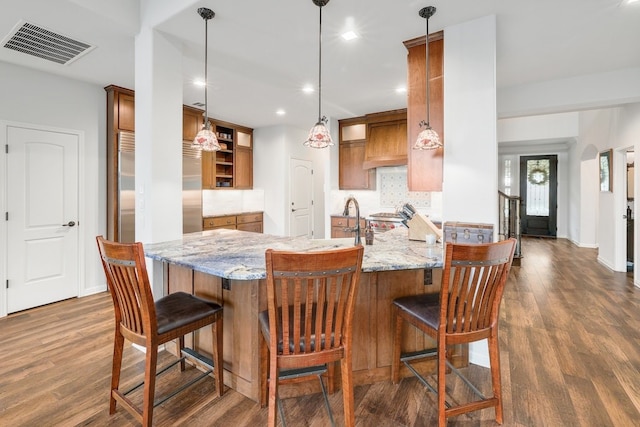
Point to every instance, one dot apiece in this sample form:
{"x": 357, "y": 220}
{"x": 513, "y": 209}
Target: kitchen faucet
{"x": 346, "y": 213}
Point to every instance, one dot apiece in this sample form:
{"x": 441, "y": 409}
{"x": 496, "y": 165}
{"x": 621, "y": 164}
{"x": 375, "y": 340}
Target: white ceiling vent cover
{"x": 46, "y": 44}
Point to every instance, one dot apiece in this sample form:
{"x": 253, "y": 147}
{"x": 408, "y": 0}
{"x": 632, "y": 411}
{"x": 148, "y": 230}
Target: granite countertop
{"x": 239, "y": 255}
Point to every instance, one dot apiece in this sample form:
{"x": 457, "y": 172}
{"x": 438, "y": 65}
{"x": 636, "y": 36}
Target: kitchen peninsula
{"x": 229, "y": 266}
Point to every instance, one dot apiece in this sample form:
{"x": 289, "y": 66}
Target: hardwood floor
{"x": 570, "y": 347}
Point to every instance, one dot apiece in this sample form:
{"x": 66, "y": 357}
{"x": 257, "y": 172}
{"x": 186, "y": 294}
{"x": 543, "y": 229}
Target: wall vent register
{"x": 40, "y": 42}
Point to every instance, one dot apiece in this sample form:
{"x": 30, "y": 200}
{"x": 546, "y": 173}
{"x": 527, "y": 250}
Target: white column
{"x": 158, "y": 165}
{"x": 470, "y": 187}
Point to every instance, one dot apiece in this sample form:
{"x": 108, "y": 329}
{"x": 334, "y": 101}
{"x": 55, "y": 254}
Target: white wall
{"x": 269, "y": 174}
{"x": 158, "y": 157}
{"x": 549, "y": 127}
{"x": 597, "y": 129}
{"x": 583, "y": 194}
{"x": 273, "y": 149}
{"x": 33, "y": 97}
{"x": 470, "y": 151}
{"x": 618, "y": 129}
{"x": 571, "y": 94}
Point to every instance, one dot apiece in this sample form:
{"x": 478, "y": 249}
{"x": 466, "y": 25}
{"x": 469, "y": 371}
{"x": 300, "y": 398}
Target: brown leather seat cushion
{"x": 179, "y": 309}
{"x": 425, "y": 307}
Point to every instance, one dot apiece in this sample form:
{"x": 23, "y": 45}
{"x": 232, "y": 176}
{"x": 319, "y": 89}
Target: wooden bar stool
{"x": 147, "y": 323}
{"x": 466, "y": 310}
{"x": 308, "y": 325}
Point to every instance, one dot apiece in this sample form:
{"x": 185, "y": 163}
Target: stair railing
{"x": 509, "y": 220}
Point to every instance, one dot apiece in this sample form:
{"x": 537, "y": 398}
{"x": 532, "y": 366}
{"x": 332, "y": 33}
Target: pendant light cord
{"x": 427, "y": 66}
{"x": 320, "y": 69}
{"x": 206, "y": 80}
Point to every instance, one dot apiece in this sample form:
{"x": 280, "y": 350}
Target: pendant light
{"x": 206, "y": 139}
{"x": 319, "y": 136}
{"x": 428, "y": 138}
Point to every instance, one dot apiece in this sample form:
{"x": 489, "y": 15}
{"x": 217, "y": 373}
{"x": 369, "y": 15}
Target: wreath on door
{"x": 538, "y": 176}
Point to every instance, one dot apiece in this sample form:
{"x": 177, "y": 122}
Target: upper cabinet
{"x": 367, "y": 142}
{"x": 424, "y": 170}
{"x": 126, "y": 111}
{"x": 191, "y": 122}
{"x": 244, "y": 159}
{"x": 353, "y": 138}
{"x": 231, "y": 167}
{"x": 386, "y": 139}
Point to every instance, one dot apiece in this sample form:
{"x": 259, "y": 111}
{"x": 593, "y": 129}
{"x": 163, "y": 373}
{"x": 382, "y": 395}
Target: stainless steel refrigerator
{"x": 126, "y": 187}
{"x": 191, "y": 188}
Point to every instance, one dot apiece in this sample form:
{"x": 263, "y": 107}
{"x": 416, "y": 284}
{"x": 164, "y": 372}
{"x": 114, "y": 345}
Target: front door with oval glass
{"x": 539, "y": 194}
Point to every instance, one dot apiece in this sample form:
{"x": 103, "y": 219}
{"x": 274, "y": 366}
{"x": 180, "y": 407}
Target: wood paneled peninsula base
{"x": 228, "y": 267}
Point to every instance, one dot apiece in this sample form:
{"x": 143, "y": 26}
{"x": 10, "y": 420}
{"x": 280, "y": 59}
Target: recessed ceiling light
{"x": 281, "y": 112}
{"x": 199, "y": 83}
{"x": 349, "y": 35}
{"x": 308, "y": 89}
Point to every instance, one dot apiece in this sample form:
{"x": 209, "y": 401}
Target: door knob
{"x": 69, "y": 224}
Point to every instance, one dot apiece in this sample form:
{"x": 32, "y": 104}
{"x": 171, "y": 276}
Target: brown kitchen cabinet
{"x": 243, "y": 168}
{"x": 424, "y": 167}
{"x": 353, "y": 139}
{"x": 251, "y": 221}
{"x": 191, "y": 122}
{"x": 342, "y": 226}
{"x": 214, "y": 222}
{"x": 368, "y": 142}
{"x": 386, "y": 139}
{"x": 373, "y": 319}
{"x": 126, "y": 111}
{"x": 232, "y": 165}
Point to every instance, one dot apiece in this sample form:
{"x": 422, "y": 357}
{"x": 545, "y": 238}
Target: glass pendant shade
{"x": 206, "y": 140}
{"x": 319, "y": 136}
{"x": 428, "y": 139}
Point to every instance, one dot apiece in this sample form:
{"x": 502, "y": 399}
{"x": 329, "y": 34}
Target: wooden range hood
{"x": 386, "y": 139}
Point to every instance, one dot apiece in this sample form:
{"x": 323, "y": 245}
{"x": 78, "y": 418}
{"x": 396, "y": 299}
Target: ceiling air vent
{"x": 46, "y": 44}
{"x": 198, "y": 104}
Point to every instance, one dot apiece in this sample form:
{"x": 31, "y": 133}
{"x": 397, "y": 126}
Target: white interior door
{"x": 42, "y": 213}
{"x": 301, "y": 196}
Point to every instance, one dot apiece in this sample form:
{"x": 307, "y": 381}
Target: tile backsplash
{"x": 394, "y": 191}
{"x": 391, "y": 192}
{"x": 221, "y": 202}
